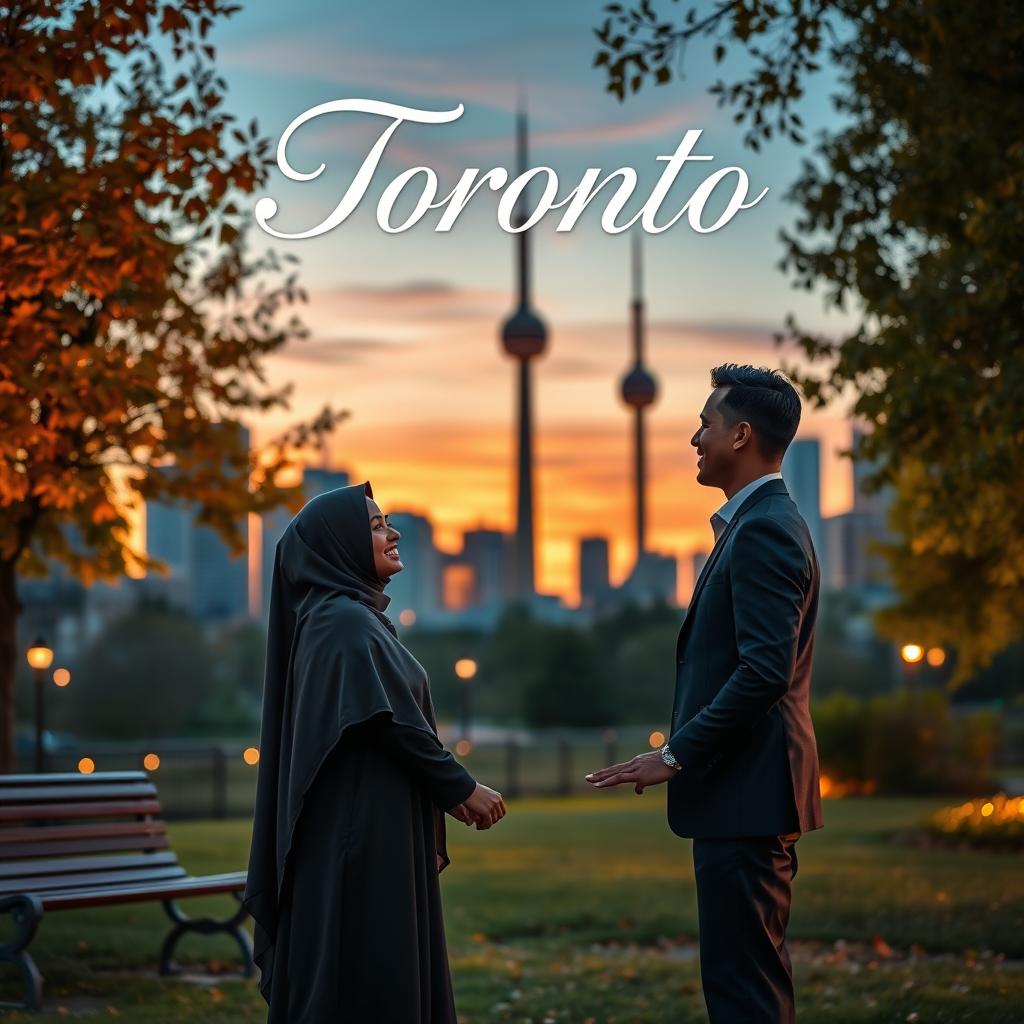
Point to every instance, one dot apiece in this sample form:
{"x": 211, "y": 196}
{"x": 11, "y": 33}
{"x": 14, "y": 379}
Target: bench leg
{"x": 205, "y": 926}
{"x": 26, "y": 912}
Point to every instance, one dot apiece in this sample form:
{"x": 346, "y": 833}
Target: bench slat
{"x": 75, "y": 865}
{"x": 77, "y": 778}
{"x": 106, "y": 879}
{"x": 103, "y": 844}
{"x": 42, "y": 835}
{"x": 206, "y": 885}
{"x": 113, "y": 791}
{"x": 100, "y": 809}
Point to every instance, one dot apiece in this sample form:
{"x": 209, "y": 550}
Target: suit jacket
{"x": 741, "y": 727}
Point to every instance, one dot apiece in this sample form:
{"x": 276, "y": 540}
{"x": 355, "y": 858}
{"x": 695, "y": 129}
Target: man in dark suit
{"x": 741, "y": 761}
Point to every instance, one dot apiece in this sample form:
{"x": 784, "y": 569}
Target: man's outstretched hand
{"x": 642, "y": 771}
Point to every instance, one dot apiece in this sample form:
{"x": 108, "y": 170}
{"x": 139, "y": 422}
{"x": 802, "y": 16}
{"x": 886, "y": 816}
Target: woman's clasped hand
{"x": 483, "y": 808}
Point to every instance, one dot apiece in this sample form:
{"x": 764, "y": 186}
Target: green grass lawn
{"x": 583, "y": 910}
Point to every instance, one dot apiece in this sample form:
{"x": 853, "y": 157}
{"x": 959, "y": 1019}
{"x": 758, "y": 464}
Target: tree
{"x": 910, "y": 215}
{"x": 145, "y": 675}
{"x": 572, "y": 685}
{"x": 132, "y": 323}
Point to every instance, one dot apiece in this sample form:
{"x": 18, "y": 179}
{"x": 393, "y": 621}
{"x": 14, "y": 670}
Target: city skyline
{"x": 403, "y": 327}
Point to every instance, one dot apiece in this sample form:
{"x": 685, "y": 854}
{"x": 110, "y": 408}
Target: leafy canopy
{"x": 911, "y": 215}
{"x": 132, "y": 323}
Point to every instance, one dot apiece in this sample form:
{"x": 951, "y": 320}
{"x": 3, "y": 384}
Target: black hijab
{"x": 333, "y": 661}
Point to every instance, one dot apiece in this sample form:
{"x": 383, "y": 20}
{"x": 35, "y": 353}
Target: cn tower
{"x": 639, "y": 390}
{"x": 524, "y": 337}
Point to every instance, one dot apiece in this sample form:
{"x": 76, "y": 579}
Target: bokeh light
{"x": 936, "y": 656}
{"x": 656, "y": 739}
{"x": 86, "y": 765}
{"x": 465, "y": 668}
{"x": 39, "y": 655}
{"x": 151, "y": 762}
{"x": 911, "y": 653}
{"x": 463, "y": 747}
{"x": 61, "y": 676}
{"x": 251, "y": 755}
{"x": 407, "y": 617}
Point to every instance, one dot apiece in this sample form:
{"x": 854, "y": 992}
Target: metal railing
{"x": 213, "y": 780}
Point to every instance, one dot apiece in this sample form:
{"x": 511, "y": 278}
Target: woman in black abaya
{"x": 348, "y": 831}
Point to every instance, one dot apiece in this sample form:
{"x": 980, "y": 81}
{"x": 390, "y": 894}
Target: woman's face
{"x": 385, "y": 542}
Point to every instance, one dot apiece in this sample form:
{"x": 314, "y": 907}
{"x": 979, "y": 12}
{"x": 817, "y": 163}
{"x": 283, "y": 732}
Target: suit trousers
{"x": 743, "y": 900}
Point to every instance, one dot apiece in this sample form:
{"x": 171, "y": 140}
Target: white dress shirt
{"x": 721, "y": 519}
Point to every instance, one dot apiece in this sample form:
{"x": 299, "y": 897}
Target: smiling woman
{"x": 386, "y": 559}
{"x": 349, "y": 827}
{"x": 471, "y": 181}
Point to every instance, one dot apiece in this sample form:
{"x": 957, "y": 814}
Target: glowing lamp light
{"x": 86, "y": 765}
{"x": 911, "y": 653}
{"x": 463, "y": 747}
{"x": 39, "y": 655}
{"x": 407, "y": 617}
{"x": 151, "y": 762}
{"x": 825, "y": 785}
{"x": 987, "y": 809}
{"x": 656, "y": 739}
{"x": 465, "y": 668}
{"x": 61, "y": 676}
{"x": 251, "y": 755}
{"x": 936, "y": 656}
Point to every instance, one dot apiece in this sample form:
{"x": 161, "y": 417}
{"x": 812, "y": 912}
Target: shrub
{"x": 904, "y": 743}
{"x": 993, "y": 822}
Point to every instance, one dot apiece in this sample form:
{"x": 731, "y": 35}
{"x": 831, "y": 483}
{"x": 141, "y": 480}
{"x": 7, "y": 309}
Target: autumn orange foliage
{"x": 132, "y": 323}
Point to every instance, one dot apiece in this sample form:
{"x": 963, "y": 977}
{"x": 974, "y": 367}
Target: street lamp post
{"x": 465, "y": 669}
{"x": 40, "y": 657}
{"x": 911, "y": 655}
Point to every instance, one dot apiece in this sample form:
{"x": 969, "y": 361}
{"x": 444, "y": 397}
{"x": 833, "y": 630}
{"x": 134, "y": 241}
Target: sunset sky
{"x": 405, "y": 327}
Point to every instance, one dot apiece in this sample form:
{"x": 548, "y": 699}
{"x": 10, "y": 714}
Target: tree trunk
{"x": 10, "y": 609}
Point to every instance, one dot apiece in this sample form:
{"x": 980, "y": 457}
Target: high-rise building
{"x": 877, "y": 502}
{"x": 801, "y": 469}
{"x": 654, "y": 580}
{"x": 415, "y": 592}
{"x": 639, "y": 390}
{"x": 594, "y": 581}
{"x": 219, "y": 580}
{"x": 851, "y": 559}
{"x": 487, "y": 551}
{"x": 851, "y": 540}
{"x": 524, "y": 337}
{"x": 204, "y": 576}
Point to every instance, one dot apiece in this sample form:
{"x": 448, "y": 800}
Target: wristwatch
{"x": 669, "y": 758}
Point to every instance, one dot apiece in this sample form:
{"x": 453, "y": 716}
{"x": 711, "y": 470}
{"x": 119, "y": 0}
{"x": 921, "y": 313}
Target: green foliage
{"x": 618, "y": 671}
{"x": 572, "y": 687}
{"x": 905, "y": 743}
{"x": 911, "y": 216}
{"x": 157, "y": 672}
{"x": 144, "y": 676}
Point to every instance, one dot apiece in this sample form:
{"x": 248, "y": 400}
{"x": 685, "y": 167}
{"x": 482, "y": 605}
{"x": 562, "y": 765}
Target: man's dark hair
{"x": 763, "y": 398}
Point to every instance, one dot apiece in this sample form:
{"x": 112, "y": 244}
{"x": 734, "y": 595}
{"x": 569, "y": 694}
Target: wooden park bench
{"x": 69, "y": 841}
